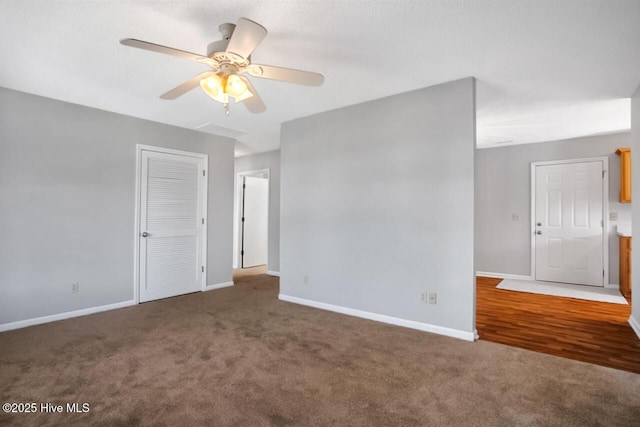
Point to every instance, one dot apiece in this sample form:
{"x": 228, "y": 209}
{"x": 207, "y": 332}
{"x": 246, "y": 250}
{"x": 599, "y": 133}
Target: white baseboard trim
{"x": 635, "y": 325}
{"x": 273, "y": 273}
{"x": 503, "y": 275}
{"x": 612, "y": 286}
{"x": 455, "y": 333}
{"x": 218, "y": 286}
{"x": 61, "y": 316}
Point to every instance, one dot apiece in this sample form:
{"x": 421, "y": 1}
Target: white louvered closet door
{"x": 171, "y": 225}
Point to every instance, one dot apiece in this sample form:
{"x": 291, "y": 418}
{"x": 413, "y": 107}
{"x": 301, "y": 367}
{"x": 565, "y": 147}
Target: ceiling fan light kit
{"x": 228, "y": 58}
{"x": 221, "y": 86}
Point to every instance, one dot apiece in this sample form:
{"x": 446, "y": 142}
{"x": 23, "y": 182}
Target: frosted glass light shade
{"x": 213, "y": 86}
{"x": 235, "y": 86}
{"x": 221, "y": 86}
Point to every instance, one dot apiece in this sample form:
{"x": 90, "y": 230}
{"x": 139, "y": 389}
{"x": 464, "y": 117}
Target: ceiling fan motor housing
{"x": 217, "y": 50}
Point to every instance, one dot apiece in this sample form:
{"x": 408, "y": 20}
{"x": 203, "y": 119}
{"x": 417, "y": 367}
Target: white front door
{"x": 568, "y": 223}
{"x": 171, "y": 214}
{"x": 255, "y": 221}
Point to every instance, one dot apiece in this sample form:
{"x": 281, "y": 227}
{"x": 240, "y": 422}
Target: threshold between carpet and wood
{"x": 590, "y": 331}
{"x": 238, "y": 356}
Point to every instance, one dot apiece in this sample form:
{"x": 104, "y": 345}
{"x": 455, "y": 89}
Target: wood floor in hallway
{"x": 589, "y": 331}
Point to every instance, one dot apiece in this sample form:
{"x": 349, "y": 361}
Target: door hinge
{"x": 203, "y": 268}
{"x": 242, "y": 253}
{"x": 203, "y": 220}
{"x": 603, "y": 273}
{"x": 242, "y": 219}
{"x": 602, "y": 174}
{"x": 244, "y": 185}
{"x": 204, "y": 172}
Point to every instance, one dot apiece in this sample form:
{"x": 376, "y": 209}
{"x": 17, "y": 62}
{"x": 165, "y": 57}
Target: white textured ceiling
{"x": 546, "y": 69}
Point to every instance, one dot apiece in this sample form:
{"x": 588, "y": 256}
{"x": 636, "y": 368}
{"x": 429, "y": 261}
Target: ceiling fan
{"x": 228, "y": 59}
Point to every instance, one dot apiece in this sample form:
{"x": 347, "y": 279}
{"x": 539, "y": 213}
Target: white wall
{"x": 503, "y": 189}
{"x": 377, "y": 207}
{"x": 67, "y": 184}
{"x": 268, "y": 160}
{"x": 635, "y": 197}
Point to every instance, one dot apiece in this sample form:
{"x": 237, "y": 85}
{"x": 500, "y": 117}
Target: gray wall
{"x": 269, "y": 160}
{"x": 635, "y": 197}
{"x": 503, "y": 189}
{"x": 67, "y": 179}
{"x": 377, "y": 206}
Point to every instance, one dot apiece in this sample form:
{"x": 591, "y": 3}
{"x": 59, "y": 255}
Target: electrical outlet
{"x": 75, "y": 287}
{"x": 306, "y": 279}
{"x": 515, "y": 217}
{"x": 433, "y": 298}
{"x": 613, "y": 216}
{"x": 423, "y": 297}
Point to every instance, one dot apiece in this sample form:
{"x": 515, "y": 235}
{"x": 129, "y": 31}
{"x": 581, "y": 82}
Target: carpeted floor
{"x": 239, "y": 357}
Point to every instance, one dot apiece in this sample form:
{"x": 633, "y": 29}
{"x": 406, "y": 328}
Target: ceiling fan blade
{"x": 186, "y": 86}
{"x": 169, "y": 51}
{"x": 246, "y": 36}
{"x": 286, "y": 74}
{"x": 254, "y": 104}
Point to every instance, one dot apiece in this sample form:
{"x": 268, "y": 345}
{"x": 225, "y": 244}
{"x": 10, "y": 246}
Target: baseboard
{"x": 62, "y": 316}
{"x": 218, "y": 286}
{"x": 455, "y": 333}
{"x": 273, "y": 273}
{"x": 612, "y": 286}
{"x": 635, "y": 325}
{"x": 503, "y": 275}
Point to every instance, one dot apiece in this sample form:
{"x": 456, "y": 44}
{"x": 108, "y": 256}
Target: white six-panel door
{"x": 171, "y": 223}
{"x": 568, "y": 223}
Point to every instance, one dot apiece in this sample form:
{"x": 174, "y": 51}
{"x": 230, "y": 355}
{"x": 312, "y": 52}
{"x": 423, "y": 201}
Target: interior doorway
{"x": 252, "y": 235}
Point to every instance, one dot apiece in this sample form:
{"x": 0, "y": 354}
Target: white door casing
{"x": 171, "y": 229}
{"x": 568, "y": 214}
{"x": 255, "y": 221}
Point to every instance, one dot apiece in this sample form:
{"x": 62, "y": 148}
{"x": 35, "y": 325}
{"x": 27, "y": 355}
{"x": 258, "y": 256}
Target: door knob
{"x": 538, "y": 232}
{"x": 145, "y": 234}
{"x": 539, "y": 224}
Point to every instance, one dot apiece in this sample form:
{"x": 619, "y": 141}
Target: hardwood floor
{"x": 589, "y": 331}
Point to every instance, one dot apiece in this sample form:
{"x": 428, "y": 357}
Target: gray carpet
{"x": 240, "y": 357}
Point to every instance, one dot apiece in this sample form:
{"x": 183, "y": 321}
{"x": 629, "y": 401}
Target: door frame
{"x": 138, "y": 190}
{"x": 605, "y": 210}
{"x": 238, "y": 216}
